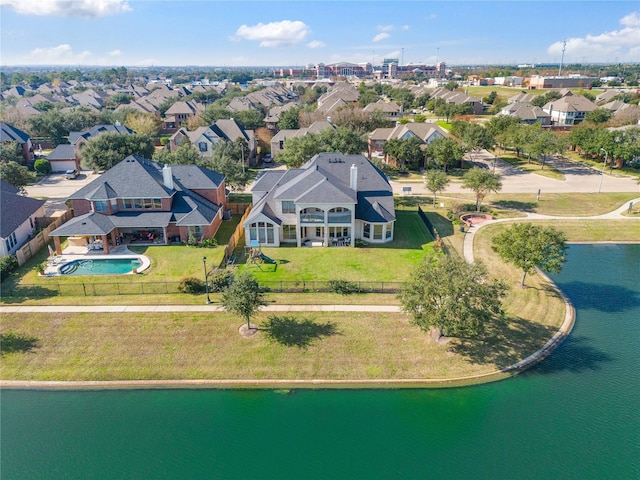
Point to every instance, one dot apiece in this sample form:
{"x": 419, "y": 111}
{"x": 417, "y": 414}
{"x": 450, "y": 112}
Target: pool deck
{"x": 70, "y": 254}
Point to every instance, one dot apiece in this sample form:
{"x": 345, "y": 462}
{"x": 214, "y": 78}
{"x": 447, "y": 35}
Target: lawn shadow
{"x": 506, "y": 342}
{"x": 20, "y": 293}
{"x": 291, "y": 332}
{"x": 11, "y": 342}
{"x": 516, "y": 205}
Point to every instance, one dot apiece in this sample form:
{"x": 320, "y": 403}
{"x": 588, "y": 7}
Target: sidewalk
{"x": 190, "y": 308}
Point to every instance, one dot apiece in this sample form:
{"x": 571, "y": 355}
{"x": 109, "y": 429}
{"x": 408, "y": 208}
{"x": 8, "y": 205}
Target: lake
{"x": 573, "y": 416}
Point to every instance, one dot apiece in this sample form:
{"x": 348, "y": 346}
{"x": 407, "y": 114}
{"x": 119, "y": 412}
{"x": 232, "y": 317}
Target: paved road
{"x": 578, "y": 179}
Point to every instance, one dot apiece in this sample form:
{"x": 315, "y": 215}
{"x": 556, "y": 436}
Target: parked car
{"x": 71, "y": 174}
{"x": 267, "y": 158}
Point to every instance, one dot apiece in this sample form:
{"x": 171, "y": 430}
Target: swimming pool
{"x": 101, "y": 266}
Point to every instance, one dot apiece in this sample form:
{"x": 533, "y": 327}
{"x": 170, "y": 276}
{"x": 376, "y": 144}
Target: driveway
{"x": 56, "y": 189}
{"x": 578, "y": 179}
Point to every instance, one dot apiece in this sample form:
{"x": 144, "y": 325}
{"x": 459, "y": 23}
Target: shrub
{"x": 192, "y": 240}
{"x": 42, "y": 166}
{"x": 220, "y": 279}
{"x": 191, "y": 285}
{"x": 210, "y": 242}
{"x": 343, "y": 287}
{"x": 8, "y": 265}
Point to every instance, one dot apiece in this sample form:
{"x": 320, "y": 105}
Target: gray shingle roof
{"x": 16, "y": 209}
{"x": 62, "y": 152}
{"x": 88, "y": 224}
{"x": 10, "y": 133}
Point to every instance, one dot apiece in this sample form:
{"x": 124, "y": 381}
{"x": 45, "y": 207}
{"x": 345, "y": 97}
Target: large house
{"x": 425, "y": 132}
{"x": 144, "y": 201}
{"x": 569, "y": 110}
{"x": 18, "y": 218}
{"x": 332, "y": 200}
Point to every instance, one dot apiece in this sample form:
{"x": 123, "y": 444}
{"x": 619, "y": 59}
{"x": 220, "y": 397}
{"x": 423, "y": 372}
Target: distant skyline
{"x": 278, "y": 33}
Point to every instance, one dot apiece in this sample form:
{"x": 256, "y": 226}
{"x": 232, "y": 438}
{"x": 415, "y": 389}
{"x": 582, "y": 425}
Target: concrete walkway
{"x": 617, "y": 214}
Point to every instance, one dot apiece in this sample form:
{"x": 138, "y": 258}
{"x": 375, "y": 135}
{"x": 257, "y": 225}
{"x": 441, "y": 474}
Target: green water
{"x": 574, "y": 416}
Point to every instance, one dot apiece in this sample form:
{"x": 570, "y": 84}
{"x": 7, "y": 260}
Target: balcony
{"x": 311, "y": 218}
{"x": 339, "y": 217}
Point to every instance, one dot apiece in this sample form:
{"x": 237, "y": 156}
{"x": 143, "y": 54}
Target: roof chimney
{"x": 167, "y": 176}
{"x": 353, "y": 177}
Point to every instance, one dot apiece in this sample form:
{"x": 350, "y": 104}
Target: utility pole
{"x": 564, "y": 47}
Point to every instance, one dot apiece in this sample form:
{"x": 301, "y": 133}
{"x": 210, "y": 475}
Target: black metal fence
{"x": 166, "y": 288}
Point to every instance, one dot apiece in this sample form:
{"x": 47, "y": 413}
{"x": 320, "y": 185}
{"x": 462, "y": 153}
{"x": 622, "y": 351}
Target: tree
{"x": 450, "y": 294}
{"x": 540, "y": 143}
{"x": 243, "y": 296}
{"x": 17, "y": 175}
{"x": 227, "y": 158}
{"x": 11, "y": 151}
{"x": 298, "y": 150}
{"x": 146, "y": 124}
{"x": 185, "y": 154}
{"x": 343, "y": 140}
{"x": 482, "y": 182}
{"x": 107, "y": 149}
{"x": 444, "y": 151}
{"x": 436, "y": 181}
{"x": 405, "y": 151}
{"x": 289, "y": 119}
{"x": 528, "y": 246}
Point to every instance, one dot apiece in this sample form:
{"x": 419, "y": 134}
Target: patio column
{"x": 105, "y": 245}
{"x": 56, "y": 242}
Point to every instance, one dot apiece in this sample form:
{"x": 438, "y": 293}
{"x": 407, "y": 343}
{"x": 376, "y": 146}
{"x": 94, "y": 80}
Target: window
{"x": 288, "y": 206}
{"x": 289, "y": 232}
{"x": 377, "y": 232}
{"x": 366, "y": 233}
{"x": 10, "y": 241}
{"x": 202, "y": 146}
{"x": 389, "y": 230}
{"x": 114, "y": 205}
{"x": 100, "y": 206}
{"x": 262, "y": 231}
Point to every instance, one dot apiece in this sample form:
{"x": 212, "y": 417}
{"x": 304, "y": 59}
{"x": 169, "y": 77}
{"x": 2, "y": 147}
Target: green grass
{"x": 152, "y": 346}
{"x": 388, "y": 263}
{"x": 533, "y": 166}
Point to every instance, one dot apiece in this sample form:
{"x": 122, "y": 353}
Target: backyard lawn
{"x": 384, "y": 263}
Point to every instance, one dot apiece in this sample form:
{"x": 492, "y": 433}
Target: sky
{"x": 297, "y": 33}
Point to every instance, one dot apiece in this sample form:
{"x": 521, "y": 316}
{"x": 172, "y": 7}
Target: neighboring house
{"x": 279, "y": 139}
{"x": 180, "y": 113}
{"x": 64, "y": 158}
{"x": 456, "y": 97}
{"x": 332, "y": 200}
{"x": 569, "y": 110}
{"x": 80, "y": 138}
{"x": 426, "y": 132}
{"x": 203, "y": 138}
{"x": 9, "y": 133}
{"x": 527, "y": 113}
{"x": 273, "y": 115}
{"x": 391, "y": 110}
{"x": 18, "y": 218}
{"x": 141, "y": 200}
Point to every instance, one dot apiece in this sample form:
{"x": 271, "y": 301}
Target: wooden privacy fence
{"x": 237, "y": 235}
{"x": 30, "y": 248}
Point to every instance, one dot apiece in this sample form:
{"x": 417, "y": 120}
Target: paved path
{"x": 578, "y": 179}
{"x": 190, "y": 308}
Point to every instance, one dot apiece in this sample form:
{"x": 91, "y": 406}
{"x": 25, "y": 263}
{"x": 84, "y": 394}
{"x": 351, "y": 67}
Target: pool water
{"x": 100, "y": 266}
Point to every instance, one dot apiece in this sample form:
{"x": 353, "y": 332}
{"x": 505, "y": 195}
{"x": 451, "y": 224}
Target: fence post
{"x": 84, "y": 289}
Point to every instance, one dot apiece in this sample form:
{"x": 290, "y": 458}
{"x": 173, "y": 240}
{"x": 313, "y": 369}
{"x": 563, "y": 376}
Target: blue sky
{"x": 272, "y": 33}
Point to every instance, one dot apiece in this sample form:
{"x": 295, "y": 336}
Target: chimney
{"x": 353, "y": 177}
{"x": 167, "y": 176}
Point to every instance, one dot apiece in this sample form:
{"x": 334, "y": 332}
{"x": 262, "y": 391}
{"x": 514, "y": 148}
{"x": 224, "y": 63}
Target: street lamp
{"x": 206, "y": 282}
{"x": 603, "y": 167}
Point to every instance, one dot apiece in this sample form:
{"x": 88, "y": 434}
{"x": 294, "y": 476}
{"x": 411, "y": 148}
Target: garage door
{"x": 62, "y": 165}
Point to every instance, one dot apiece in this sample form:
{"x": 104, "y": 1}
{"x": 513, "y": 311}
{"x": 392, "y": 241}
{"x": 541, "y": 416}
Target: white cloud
{"x": 316, "y": 44}
{"x": 68, "y": 8}
{"x": 431, "y": 16}
{"x": 60, "y": 55}
{"x": 605, "y": 47}
{"x": 380, "y": 36}
{"x": 385, "y": 28}
{"x": 115, "y": 53}
{"x": 406, "y": 27}
{"x": 275, "y": 34}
